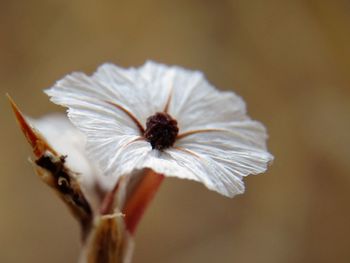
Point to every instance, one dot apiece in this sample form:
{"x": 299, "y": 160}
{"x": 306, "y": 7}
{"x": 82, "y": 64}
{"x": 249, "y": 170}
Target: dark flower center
{"x": 161, "y": 130}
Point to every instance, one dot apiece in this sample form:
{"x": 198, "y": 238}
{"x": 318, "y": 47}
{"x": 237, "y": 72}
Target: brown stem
{"x": 107, "y": 205}
{"x": 140, "y": 199}
{"x": 105, "y": 242}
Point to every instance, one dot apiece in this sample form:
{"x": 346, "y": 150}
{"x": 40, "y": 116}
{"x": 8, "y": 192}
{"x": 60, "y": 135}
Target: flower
{"x": 168, "y": 119}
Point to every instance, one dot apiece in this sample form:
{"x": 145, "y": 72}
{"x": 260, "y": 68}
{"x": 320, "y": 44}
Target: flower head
{"x": 168, "y": 119}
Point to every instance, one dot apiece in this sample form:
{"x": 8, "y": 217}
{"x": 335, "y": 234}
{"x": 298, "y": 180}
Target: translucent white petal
{"x": 214, "y": 159}
{"x": 160, "y": 84}
{"x": 221, "y": 159}
{"x": 198, "y": 105}
{"x": 193, "y": 101}
{"x": 93, "y": 97}
{"x": 139, "y": 155}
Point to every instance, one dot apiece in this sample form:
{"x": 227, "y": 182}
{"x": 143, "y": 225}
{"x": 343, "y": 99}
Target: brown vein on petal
{"x": 166, "y": 108}
{"x": 189, "y": 133}
{"x": 135, "y": 140}
{"x": 131, "y": 116}
{"x": 187, "y": 151}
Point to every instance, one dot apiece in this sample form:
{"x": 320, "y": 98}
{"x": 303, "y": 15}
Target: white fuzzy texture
{"x": 67, "y": 140}
{"x": 219, "y": 159}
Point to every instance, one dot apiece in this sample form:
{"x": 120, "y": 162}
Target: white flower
{"x": 165, "y": 118}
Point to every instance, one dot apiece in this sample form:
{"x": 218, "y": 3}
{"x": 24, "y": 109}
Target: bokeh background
{"x": 289, "y": 60}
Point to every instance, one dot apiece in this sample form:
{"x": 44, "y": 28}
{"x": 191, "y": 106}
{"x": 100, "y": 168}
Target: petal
{"x": 193, "y": 101}
{"x": 196, "y": 104}
{"x": 160, "y": 84}
{"x": 95, "y": 97}
{"x": 213, "y": 159}
{"x": 220, "y": 159}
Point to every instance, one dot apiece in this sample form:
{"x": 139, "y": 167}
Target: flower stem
{"x": 107, "y": 205}
{"x": 140, "y": 198}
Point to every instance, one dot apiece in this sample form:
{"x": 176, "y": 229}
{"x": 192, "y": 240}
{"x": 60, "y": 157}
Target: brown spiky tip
{"x": 35, "y": 139}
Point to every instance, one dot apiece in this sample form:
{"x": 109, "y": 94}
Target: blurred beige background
{"x": 289, "y": 60}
